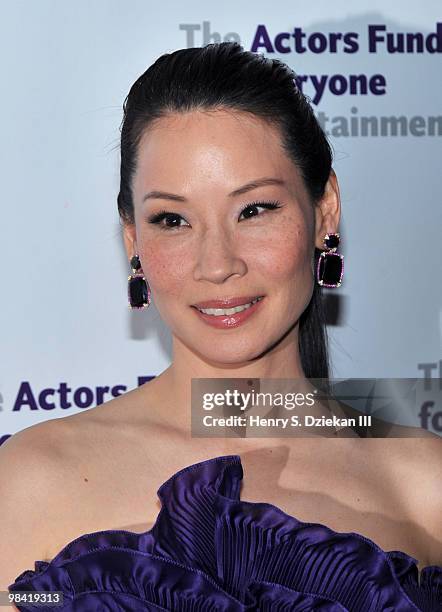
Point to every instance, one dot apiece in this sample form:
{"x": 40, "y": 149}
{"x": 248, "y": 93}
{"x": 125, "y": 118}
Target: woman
{"x": 227, "y": 191}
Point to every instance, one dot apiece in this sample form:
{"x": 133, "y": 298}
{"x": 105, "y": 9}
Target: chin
{"x": 231, "y": 356}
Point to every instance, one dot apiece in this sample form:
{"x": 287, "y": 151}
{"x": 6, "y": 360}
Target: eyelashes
{"x": 158, "y": 218}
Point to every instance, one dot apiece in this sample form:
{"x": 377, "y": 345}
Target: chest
{"x": 309, "y": 482}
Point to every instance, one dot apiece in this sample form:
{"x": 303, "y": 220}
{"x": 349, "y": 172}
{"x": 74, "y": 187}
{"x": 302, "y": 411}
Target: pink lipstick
{"x": 228, "y": 320}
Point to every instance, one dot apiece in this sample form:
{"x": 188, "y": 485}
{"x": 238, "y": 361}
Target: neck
{"x": 174, "y": 384}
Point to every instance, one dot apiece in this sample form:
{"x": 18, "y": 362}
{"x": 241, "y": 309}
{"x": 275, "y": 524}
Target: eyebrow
{"x": 164, "y": 195}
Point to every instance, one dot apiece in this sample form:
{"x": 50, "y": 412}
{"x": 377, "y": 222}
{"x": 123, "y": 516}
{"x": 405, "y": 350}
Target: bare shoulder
{"x": 55, "y": 442}
{"x": 36, "y": 442}
{"x": 420, "y": 485}
{"x": 37, "y": 452}
{"x": 424, "y": 459}
{"x": 30, "y": 482}
{"x": 31, "y": 462}
{"x": 42, "y": 469}
{"x": 418, "y": 460}
{"x": 409, "y": 471}
{"x": 419, "y": 451}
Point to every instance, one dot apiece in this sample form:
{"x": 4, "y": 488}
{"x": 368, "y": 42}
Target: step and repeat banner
{"x": 373, "y": 76}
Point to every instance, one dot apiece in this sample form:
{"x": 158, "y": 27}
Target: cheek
{"x": 165, "y": 268}
{"x": 286, "y": 254}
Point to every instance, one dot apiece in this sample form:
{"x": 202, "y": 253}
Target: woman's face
{"x": 206, "y": 249}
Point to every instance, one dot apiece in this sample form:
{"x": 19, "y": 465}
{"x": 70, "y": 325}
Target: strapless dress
{"x": 210, "y": 551}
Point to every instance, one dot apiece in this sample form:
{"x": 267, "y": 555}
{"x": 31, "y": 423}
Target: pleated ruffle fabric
{"x": 209, "y": 551}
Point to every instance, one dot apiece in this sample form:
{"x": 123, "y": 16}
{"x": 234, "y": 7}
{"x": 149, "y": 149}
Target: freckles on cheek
{"x": 165, "y": 270}
{"x": 286, "y": 255}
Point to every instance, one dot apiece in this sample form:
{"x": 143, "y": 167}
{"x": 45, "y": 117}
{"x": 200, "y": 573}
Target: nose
{"x": 218, "y": 257}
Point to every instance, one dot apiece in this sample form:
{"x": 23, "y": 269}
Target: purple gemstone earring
{"x": 138, "y": 290}
{"x": 330, "y": 268}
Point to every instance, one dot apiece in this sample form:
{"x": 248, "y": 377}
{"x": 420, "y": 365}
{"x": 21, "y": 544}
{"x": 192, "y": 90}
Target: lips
{"x": 227, "y": 302}
{"x": 230, "y": 321}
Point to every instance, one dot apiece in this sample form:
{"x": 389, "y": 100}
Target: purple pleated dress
{"x": 209, "y": 551}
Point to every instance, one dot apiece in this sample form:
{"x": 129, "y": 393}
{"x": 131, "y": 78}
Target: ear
{"x": 328, "y": 210}
{"x": 130, "y": 240}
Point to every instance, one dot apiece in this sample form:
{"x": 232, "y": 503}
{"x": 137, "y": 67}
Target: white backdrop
{"x": 66, "y": 68}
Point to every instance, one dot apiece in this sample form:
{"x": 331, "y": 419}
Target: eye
{"x": 165, "y": 215}
{"x": 174, "y": 218}
{"x": 265, "y": 205}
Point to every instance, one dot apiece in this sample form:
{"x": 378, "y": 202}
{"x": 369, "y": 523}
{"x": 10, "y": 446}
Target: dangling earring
{"x": 138, "y": 290}
{"x": 330, "y": 266}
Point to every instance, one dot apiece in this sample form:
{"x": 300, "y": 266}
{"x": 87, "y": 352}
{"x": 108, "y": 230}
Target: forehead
{"x": 218, "y": 148}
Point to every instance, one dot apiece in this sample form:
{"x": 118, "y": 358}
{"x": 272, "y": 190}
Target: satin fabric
{"x": 210, "y": 551}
